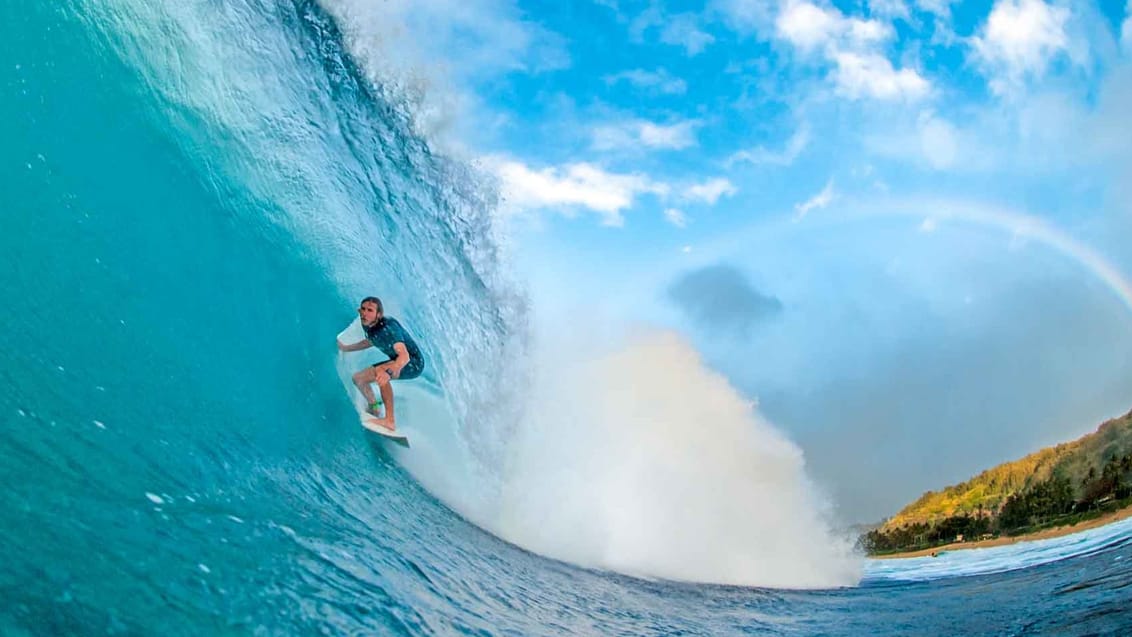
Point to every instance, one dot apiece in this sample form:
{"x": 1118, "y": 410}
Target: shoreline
{"x": 1044, "y": 534}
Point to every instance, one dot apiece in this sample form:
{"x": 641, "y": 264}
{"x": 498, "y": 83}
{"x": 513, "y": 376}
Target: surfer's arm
{"x": 402, "y": 357}
{"x": 360, "y": 345}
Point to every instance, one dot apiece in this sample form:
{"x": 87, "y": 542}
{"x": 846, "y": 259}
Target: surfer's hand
{"x": 341, "y": 347}
{"x": 395, "y": 372}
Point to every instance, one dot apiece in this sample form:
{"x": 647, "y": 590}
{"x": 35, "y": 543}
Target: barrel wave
{"x": 195, "y": 197}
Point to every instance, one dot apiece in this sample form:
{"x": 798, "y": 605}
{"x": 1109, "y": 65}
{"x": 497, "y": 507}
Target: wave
{"x": 590, "y": 446}
{"x": 1000, "y": 559}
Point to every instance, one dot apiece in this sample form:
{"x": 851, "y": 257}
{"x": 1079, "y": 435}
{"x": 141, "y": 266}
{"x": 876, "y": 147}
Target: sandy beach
{"x": 1058, "y": 531}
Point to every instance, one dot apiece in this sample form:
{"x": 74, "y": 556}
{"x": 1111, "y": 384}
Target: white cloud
{"x": 940, "y": 8}
{"x": 761, "y": 155}
{"x": 676, "y": 217}
{"x": 929, "y": 225}
{"x": 611, "y": 137}
{"x": 710, "y": 191}
{"x": 659, "y": 80}
{"x": 820, "y": 200}
{"x": 679, "y": 135}
{"x": 746, "y": 16}
{"x": 645, "y": 20}
{"x": 889, "y": 8}
{"x": 571, "y": 187}
{"x": 809, "y": 28}
{"x": 684, "y": 30}
{"x": 583, "y": 186}
{"x": 854, "y": 46}
{"x": 633, "y": 134}
{"x": 977, "y": 142}
{"x": 872, "y": 75}
{"x": 1018, "y": 40}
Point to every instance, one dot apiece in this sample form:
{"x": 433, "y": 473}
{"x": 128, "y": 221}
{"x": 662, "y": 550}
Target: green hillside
{"x": 1053, "y": 486}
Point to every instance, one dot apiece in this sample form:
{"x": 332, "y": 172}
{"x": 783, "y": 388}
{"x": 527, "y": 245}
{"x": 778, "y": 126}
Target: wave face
{"x": 194, "y": 198}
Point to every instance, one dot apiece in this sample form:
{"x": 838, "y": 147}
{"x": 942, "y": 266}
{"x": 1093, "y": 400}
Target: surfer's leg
{"x": 362, "y": 381}
{"x": 386, "y": 387}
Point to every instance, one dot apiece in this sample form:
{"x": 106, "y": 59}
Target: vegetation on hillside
{"x": 1052, "y": 487}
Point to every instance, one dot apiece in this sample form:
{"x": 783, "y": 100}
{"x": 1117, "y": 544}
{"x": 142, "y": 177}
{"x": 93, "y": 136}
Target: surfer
{"x": 405, "y": 360}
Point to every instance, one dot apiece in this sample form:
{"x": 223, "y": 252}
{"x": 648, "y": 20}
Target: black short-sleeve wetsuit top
{"x": 385, "y": 334}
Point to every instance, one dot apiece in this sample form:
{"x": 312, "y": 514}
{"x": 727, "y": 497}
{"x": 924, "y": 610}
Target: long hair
{"x": 370, "y": 329}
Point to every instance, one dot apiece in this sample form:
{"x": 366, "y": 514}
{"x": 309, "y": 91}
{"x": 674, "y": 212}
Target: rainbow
{"x": 1019, "y": 225}
{"x": 931, "y": 211}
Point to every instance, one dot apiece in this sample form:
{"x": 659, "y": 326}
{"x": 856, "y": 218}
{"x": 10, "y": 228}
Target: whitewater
{"x": 195, "y": 197}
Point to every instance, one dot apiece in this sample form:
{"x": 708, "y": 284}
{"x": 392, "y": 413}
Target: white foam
{"x": 997, "y": 559}
{"x": 633, "y": 457}
{"x": 639, "y": 459}
{"x": 154, "y": 498}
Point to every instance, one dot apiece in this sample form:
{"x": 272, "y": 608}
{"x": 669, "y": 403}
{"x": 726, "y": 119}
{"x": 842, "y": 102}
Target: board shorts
{"x": 410, "y": 371}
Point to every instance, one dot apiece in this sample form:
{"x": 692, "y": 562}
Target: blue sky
{"x": 628, "y": 129}
{"x": 907, "y": 219}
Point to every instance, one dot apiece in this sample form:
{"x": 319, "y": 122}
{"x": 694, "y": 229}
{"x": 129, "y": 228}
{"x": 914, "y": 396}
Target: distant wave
{"x": 997, "y": 559}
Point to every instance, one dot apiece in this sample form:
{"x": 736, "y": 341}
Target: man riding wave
{"x": 405, "y": 359}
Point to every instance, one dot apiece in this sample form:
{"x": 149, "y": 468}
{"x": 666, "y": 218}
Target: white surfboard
{"x": 395, "y": 435}
{"x": 348, "y": 363}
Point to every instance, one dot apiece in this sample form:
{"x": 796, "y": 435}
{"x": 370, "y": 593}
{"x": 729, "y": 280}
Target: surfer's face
{"x": 368, "y": 312}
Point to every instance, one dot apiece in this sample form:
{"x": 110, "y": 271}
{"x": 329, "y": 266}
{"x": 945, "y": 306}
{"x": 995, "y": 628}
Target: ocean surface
{"x": 195, "y": 195}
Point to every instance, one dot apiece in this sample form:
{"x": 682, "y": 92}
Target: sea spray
{"x": 639, "y": 459}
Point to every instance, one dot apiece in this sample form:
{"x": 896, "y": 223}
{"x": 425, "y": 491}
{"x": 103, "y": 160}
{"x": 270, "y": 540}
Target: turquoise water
{"x": 194, "y": 196}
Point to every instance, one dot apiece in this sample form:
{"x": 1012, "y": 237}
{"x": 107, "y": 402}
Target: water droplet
{"x": 154, "y": 498}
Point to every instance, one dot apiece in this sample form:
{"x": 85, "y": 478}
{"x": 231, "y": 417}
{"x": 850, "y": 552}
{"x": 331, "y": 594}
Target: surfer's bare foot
{"x": 385, "y": 424}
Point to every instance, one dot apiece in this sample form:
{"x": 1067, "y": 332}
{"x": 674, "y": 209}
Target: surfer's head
{"x": 370, "y": 311}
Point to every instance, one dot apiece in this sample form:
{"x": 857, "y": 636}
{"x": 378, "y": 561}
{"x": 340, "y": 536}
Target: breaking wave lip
{"x": 391, "y": 60}
{"x": 999, "y": 559}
